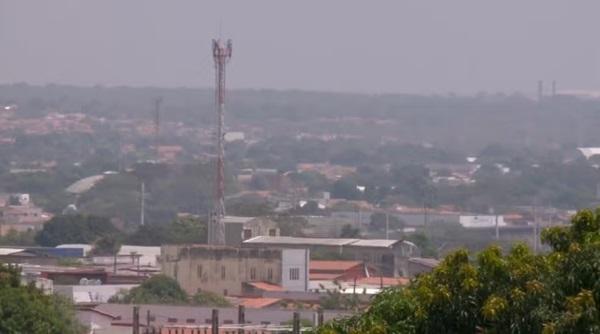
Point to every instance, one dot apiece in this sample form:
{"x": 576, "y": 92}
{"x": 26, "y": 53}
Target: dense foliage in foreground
{"x": 25, "y": 309}
{"x": 516, "y": 292}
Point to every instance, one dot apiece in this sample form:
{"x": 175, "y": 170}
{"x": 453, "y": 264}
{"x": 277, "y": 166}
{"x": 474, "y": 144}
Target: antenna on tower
{"x": 216, "y": 229}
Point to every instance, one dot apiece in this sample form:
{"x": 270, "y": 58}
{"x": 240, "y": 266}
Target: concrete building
{"x": 238, "y": 229}
{"x": 223, "y": 270}
{"x": 388, "y": 256}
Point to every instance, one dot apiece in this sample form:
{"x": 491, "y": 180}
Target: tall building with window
{"x": 224, "y": 270}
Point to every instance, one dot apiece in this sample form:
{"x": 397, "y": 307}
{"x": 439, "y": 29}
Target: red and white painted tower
{"x": 216, "y": 231}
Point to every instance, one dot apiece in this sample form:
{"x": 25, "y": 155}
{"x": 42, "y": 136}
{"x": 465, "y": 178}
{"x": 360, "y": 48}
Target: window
{"x": 222, "y": 272}
{"x": 270, "y": 274}
{"x": 272, "y": 232}
{"x": 252, "y": 274}
{"x": 199, "y": 271}
{"x": 225, "y": 292}
{"x": 294, "y": 274}
{"x": 175, "y": 270}
{"x": 247, "y": 234}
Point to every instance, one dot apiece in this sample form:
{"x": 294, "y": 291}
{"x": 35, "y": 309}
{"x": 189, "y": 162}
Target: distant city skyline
{"x": 423, "y": 47}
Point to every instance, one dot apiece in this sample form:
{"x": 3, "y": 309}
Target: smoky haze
{"x": 462, "y": 46}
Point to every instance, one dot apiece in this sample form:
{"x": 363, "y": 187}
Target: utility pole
{"x": 536, "y": 226}
{"x": 497, "y": 229}
{"x": 296, "y": 323}
{"x": 320, "y": 317}
{"x": 143, "y": 204}
{"x": 241, "y": 318}
{"x": 148, "y": 322}
{"x": 136, "y": 320}
{"x": 221, "y": 56}
{"x": 214, "y": 328}
{"x": 387, "y": 225}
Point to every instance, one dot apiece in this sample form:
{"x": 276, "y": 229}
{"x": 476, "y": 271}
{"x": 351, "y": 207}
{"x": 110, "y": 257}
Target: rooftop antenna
{"x": 221, "y": 56}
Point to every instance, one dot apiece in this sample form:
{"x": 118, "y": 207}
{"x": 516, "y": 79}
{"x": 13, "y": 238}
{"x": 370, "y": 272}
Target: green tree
{"x": 425, "y": 246}
{"x": 496, "y": 292}
{"x": 349, "y": 232}
{"x": 291, "y": 226}
{"x": 18, "y": 238}
{"x": 346, "y": 189}
{"x": 378, "y": 222}
{"x": 106, "y": 245}
{"x": 158, "y": 289}
{"x": 185, "y": 230}
{"x": 207, "y": 298}
{"x": 25, "y": 309}
{"x": 74, "y": 229}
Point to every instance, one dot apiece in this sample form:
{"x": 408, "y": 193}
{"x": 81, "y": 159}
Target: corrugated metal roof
{"x": 9, "y": 251}
{"x": 430, "y": 262}
{"x": 321, "y": 241}
{"x": 374, "y": 243}
{"x": 84, "y": 184}
{"x": 299, "y": 241}
{"x": 181, "y": 313}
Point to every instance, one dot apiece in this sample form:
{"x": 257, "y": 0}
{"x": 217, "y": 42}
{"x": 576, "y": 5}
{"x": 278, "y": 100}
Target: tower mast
{"x": 221, "y": 56}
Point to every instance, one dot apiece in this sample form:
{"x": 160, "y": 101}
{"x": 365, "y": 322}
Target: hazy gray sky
{"x": 417, "y": 46}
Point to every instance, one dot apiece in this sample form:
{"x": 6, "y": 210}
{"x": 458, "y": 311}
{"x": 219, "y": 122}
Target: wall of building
{"x": 220, "y": 269}
{"x": 392, "y": 261}
{"x": 236, "y": 232}
{"x": 294, "y": 269}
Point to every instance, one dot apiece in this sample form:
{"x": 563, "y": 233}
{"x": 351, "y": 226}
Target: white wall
{"x": 91, "y": 293}
{"x": 295, "y": 259}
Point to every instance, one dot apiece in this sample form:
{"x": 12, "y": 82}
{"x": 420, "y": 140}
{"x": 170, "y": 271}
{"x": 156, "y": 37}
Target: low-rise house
{"x": 388, "y": 256}
{"x": 21, "y": 215}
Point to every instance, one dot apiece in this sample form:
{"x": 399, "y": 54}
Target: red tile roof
{"x": 333, "y": 265}
{"x": 258, "y": 302}
{"x": 323, "y": 277}
{"x": 265, "y": 286}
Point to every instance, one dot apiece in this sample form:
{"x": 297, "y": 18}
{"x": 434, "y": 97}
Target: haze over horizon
{"x": 463, "y": 46}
